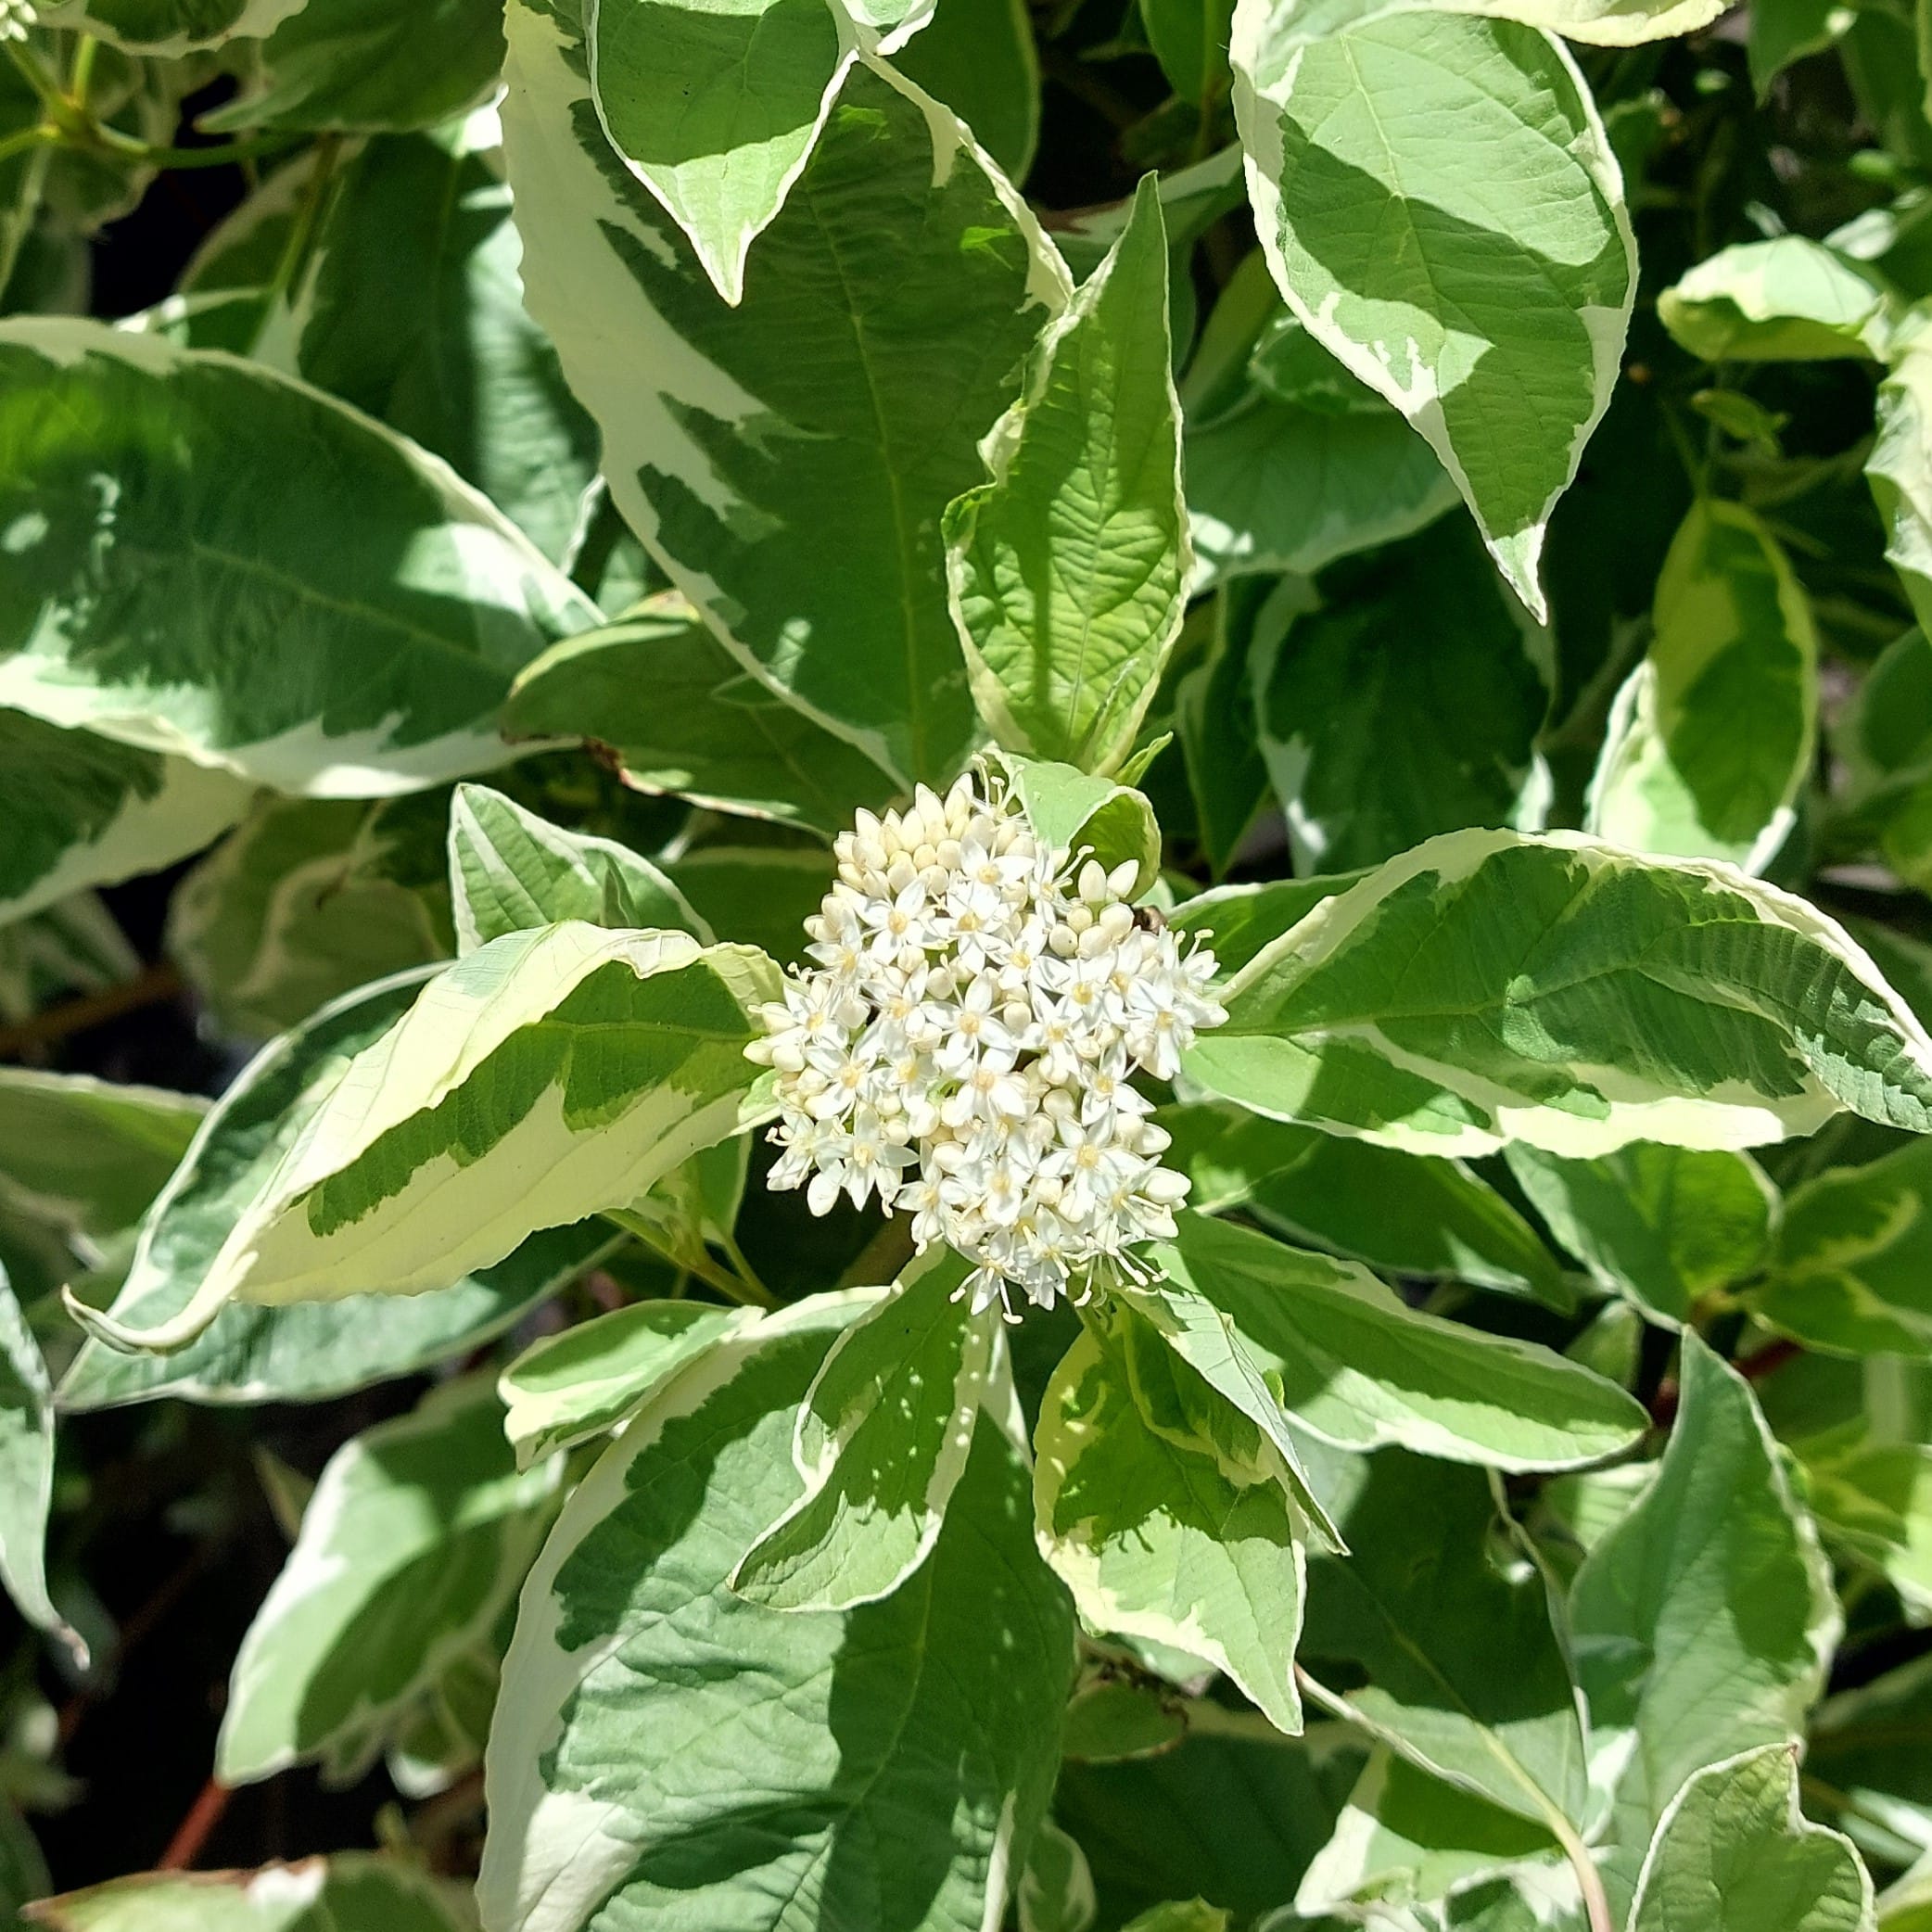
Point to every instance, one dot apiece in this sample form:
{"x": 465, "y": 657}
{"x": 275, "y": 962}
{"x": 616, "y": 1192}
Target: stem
{"x": 193, "y": 1830}
{"x": 27, "y": 137}
{"x": 124, "y": 147}
{"x": 38, "y": 75}
{"x": 80, "y": 76}
{"x": 1213, "y": 1720}
{"x": 1597, "y": 1902}
{"x": 750, "y": 1293}
{"x": 883, "y": 1256}
{"x": 743, "y": 1269}
{"x": 301, "y": 232}
{"x": 149, "y": 987}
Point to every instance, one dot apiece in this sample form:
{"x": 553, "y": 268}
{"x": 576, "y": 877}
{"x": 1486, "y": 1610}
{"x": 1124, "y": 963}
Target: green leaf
{"x": 1713, "y": 736}
{"x": 1785, "y": 31}
{"x": 414, "y": 1542}
{"x": 1874, "y": 1504}
{"x": 167, "y": 29}
{"x": 1189, "y": 40}
{"x": 659, "y": 694}
{"x": 1870, "y": 1743}
{"x": 1406, "y": 1836}
{"x": 1245, "y": 920}
{"x": 1354, "y": 1364}
{"x": 1449, "y": 1652}
{"x": 1784, "y": 300}
{"x": 1404, "y": 1214}
{"x": 27, "y": 1473}
{"x": 1111, "y": 1721}
{"x": 510, "y": 871}
{"x": 1419, "y": 646}
{"x": 313, "y": 1895}
{"x": 1884, "y": 739}
{"x": 760, "y": 893}
{"x": 1159, "y": 1539}
{"x": 412, "y": 310}
{"x": 346, "y": 626}
{"x": 1214, "y": 718}
{"x": 365, "y": 67}
{"x": 919, "y": 283}
{"x": 1484, "y": 289}
{"x": 978, "y": 57}
{"x": 294, "y": 909}
{"x": 82, "y": 810}
{"x": 1704, "y": 1619}
{"x": 1604, "y": 24}
{"x": 1055, "y": 1892}
{"x": 1735, "y": 1853}
{"x": 1848, "y": 1270}
{"x": 1272, "y": 486}
{"x": 1086, "y": 813}
{"x": 1066, "y": 571}
{"x": 1560, "y": 991}
{"x": 716, "y": 110}
{"x": 902, "y": 1752}
{"x": 1661, "y": 1226}
{"x": 881, "y": 1443}
{"x": 694, "y": 1208}
{"x": 86, "y": 1154}
{"x": 1234, "y": 1819}
{"x": 547, "y": 1076}
{"x": 569, "y": 1387}
{"x": 1181, "y": 1915}
{"x": 1900, "y": 467}
{"x": 309, "y": 1349}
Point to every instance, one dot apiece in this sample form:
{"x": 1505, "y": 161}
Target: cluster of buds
{"x": 964, "y": 1043}
{"x": 16, "y": 17}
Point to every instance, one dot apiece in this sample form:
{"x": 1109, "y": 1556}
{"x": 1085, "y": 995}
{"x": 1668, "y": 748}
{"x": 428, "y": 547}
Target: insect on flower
{"x": 963, "y": 1043}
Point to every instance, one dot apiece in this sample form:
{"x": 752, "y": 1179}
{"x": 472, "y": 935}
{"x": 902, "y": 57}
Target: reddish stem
{"x": 193, "y": 1830}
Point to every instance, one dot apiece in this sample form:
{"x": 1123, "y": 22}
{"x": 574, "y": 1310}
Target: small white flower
{"x": 964, "y": 1046}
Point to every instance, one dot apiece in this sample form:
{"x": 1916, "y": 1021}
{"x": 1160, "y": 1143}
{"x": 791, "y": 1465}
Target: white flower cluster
{"x": 16, "y": 17}
{"x": 964, "y": 1047}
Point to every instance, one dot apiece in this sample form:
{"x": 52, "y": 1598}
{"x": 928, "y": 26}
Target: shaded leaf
{"x": 901, "y": 1753}
{"x": 1404, "y": 1214}
{"x": 833, "y": 412}
{"x": 295, "y": 909}
{"x": 348, "y": 631}
{"x": 414, "y": 1542}
{"x": 1407, "y": 703}
{"x": 661, "y": 695}
{"x": 1848, "y": 1271}
{"x": 1704, "y": 1619}
{"x": 1662, "y": 1225}
{"x": 363, "y": 66}
{"x": 81, "y": 811}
